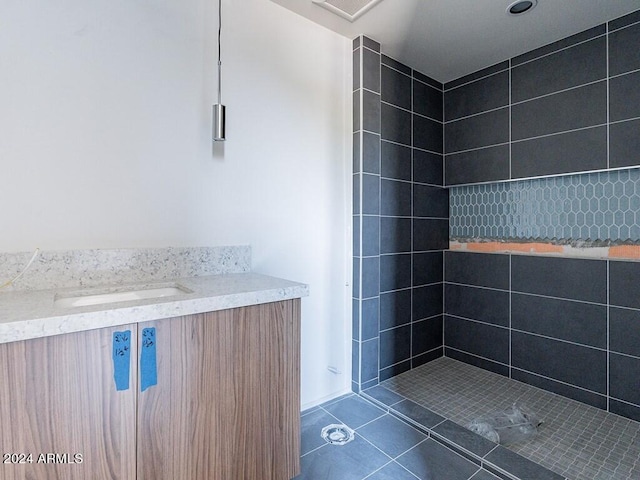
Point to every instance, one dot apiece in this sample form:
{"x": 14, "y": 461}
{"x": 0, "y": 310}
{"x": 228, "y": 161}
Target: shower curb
{"x": 497, "y": 468}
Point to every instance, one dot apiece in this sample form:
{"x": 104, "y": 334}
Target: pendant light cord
{"x": 219, "y": 52}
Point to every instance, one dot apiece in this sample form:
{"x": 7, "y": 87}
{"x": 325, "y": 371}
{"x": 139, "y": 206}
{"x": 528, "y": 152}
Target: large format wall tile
{"x": 577, "y": 322}
{"x": 427, "y": 134}
{"x": 481, "y": 165}
{"x": 427, "y": 268}
{"x": 395, "y": 272}
{"x": 477, "y": 269}
{"x": 475, "y": 303}
{"x": 624, "y": 144}
{"x": 483, "y": 130}
{"x": 624, "y": 97}
{"x": 479, "y": 339}
{"x": 622, "y": 370}
{"x": 395, "y": 309}
{"x": 565, "y": 101}
{"x": 427, "y": 301}
{"x": 488, "y": 93}
{"x": 427, "y": 100}
{"x": 427, "y": 167}
{"x": 556, "y": 326}
{"x": 396, "y": 88}
{"x": 624, "y": 331}
{"x": 624, "y": 284}
{"x": 560, "y": 361}
{"x": 430, "y": 234}
{"x": 396, "y": 124}
{"x": 560, "y": 277}
{"x": 623, "y": 57}
{"x": 577, "y": 151}
{"x": 571, "y": 67}
{"x": 568, "y": 110}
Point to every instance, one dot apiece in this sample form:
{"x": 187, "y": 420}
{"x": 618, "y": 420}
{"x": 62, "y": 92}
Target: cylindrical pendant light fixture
{"x": 219, "y": 122}
{"x": 219, "y": 110}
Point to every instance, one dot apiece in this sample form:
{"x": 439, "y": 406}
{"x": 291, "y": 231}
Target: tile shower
{"x": 475, "y": 161}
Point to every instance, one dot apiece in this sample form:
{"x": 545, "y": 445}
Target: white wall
{"x": 105, "y": 118}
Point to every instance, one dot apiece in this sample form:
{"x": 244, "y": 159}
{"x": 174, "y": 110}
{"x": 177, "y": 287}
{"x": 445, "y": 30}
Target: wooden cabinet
{"x": 226, "y": 404}
{"x": 58, "y": 401}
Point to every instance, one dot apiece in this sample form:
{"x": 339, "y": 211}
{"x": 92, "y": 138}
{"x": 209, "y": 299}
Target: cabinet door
{"x": 227, "y": 402}
{"x": 60, "y": 405}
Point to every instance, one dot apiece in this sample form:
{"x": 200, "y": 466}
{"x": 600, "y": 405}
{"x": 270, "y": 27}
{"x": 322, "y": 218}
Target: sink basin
{"x": 93, "y": 297}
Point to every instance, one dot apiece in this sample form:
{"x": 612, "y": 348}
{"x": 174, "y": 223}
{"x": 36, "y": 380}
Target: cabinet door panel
{"x": 227, "y": 402}
{"x": 59, "y": 399}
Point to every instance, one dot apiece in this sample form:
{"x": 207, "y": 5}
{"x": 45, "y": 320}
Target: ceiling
{"x": 447, "y": 39}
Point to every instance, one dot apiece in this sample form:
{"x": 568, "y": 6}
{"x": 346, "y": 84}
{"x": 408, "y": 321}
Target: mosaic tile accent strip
{"x": 596, "y": 209}
{"x": 575, "y": 440}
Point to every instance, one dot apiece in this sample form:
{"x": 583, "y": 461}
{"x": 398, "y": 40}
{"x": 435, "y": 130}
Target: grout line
{"x": 391, "y": 67}
{"x": 413, "y": 207}
{"x": 477, "y": 114}
{"x": 622, "y": 27}
{"x": 410, "y": 111}
{"x": 548, "y": 337}
{"x": 477, "y": 79}
{"x": 510, "y": 122}
{"x": 477, "y": 356}
{"x": 608, "y": 337}
{"x": 510, "y": 321}
{"x": 608, "y": 99}
{"x": 562, "y": 49}
{"x": 517, "y": 292}
{"x": 577, "y": 387}
{"x": 474, "y": 150}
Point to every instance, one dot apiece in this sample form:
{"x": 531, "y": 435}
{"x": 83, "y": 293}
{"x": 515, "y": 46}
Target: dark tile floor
{"x": 384, "y": 448}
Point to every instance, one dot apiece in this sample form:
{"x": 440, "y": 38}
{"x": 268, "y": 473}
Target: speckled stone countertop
{"x": 32, "y": 314}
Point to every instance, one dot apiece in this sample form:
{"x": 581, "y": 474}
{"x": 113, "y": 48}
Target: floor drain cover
{"x": 337, "y": 434}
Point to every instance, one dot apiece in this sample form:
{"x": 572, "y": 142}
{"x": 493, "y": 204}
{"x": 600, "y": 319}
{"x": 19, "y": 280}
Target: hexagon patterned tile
{"x": 595, "y": 209}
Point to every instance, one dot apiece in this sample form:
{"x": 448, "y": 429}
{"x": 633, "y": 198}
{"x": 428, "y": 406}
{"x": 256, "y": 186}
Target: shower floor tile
{"x": 575, "y": 440}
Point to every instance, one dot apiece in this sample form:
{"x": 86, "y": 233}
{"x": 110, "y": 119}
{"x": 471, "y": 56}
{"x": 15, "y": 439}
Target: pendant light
{"x": 218, "y": 108}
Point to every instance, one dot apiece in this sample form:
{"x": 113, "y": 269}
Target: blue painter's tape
{"x": 121, "y": 359}
{"x": 148, "y": 367}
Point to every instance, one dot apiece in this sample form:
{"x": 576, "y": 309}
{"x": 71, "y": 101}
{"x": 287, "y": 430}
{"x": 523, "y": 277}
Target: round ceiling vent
{"x": 521, "y": 6}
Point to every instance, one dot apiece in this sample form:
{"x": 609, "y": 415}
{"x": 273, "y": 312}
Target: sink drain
{"x": 337, "y": 434}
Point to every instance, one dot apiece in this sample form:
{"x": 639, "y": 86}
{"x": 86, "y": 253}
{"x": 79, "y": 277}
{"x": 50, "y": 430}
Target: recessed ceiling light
{"x": 521, "y": 6}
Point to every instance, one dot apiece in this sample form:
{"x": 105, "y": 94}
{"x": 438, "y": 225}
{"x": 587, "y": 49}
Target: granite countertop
{"x": 32, "y": 314}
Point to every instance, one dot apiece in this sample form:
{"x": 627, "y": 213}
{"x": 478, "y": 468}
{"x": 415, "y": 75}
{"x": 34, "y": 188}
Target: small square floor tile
{"x": 391, "y": 435}
{"x": 354, "y": 411}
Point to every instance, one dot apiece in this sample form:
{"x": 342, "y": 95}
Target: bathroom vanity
{"x": 213, "y": 393}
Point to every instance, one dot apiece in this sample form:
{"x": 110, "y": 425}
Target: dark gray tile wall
{"x": 414, "y": 225}
{"x": 401, "y": 217}
{"x": 568, "y": 325}
{"x": 367, "y": 194}
{"x": 571, "y": 106}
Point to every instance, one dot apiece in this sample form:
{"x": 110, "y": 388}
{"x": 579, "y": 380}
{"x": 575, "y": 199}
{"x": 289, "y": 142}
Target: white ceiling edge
{"x": 447, "y": 39}
{"x": 351, "y": 17}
